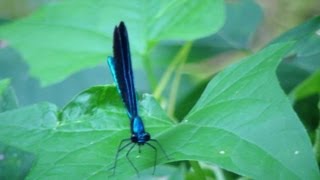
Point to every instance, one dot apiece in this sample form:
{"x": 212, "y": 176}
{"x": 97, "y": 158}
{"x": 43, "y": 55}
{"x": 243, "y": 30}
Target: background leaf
{"x": 67, "y": 36}
{"x": 228, "y": 38}
{"x": 10, "y": 9}
{"x": 308, "y": 87}
{"x": 303, "y": 59}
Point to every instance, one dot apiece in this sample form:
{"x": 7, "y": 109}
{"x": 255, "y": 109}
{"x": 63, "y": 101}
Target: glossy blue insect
{"x": 121, "y": 70}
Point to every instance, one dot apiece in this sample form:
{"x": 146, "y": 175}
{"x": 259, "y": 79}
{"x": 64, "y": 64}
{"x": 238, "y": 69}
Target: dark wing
{"x": 121, "y": 69}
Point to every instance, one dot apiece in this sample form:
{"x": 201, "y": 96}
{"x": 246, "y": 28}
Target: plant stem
{"x": 316, "y": 146}
{"x": 176, "y": 80}
{"x": 198, "y": 170}
{"x": 166, "y": 76}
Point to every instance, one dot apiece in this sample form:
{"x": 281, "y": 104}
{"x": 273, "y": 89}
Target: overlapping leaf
{"x": 243, "y": 122}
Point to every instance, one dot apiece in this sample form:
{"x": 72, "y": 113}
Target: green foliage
{"x": 308, "y": 87}
{"x": 81, "y": 140}
{"x": 243, "y": 110}
{"x": 81, "y": 39}
{"x": 241, "y": 120}
{"x": 303, "y": 59}
{"x": 298, "y": 73}
{"x": 261, "y": 118}
{"x": 14, "y": 163}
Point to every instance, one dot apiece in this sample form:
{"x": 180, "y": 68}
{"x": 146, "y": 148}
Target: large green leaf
{"x": 81, "y": 141}
{"x": 243, "y": 122}
{"x": 67, "y": 36}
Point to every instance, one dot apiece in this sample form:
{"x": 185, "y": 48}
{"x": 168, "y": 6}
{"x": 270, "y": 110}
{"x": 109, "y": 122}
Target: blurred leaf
{"x": 8, "y": 99}
{"x": 14, "y": 163}
{"x": 308, "y": 87}
{"x": 308, "y": 112}
{"x": 307, "y": 52}
{"x": 188, "y": 100}
{"x": 290, "y": 76}
{"x": 301, "y": 33}
{"x": 10, "y": 9}
{"x": 228, "y": 38}
{"x": 29, "y": 91}
{"x": 64, "y": 37}
{"x": 178, "y": 174}
{"x": 165, "y": 24}
{"x": 199, "y": 68}
{"x": 231, "y": 38}
{"x": 163, "y": 172}
{"x": 303, "y": 60}
{"x": 243, "y": 122}
{"x": 317, "y": 139}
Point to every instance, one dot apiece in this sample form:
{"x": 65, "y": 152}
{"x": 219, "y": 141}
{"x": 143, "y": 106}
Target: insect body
{"x": 121, "y": 70}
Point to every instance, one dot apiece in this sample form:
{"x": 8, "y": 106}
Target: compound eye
{"x": 147, "y": 136}
{"x": 134, "y": 138}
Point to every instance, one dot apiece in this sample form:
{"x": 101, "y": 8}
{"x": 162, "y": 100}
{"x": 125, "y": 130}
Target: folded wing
{"x": 121, "y": 69}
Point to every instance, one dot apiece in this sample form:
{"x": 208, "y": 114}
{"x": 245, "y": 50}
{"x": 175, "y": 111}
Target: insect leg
{"x": 155, "y": 156}
{"x": 163, "y": 151}
{"x": 127, "y": 156}
{"x": 120, "y": 148}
